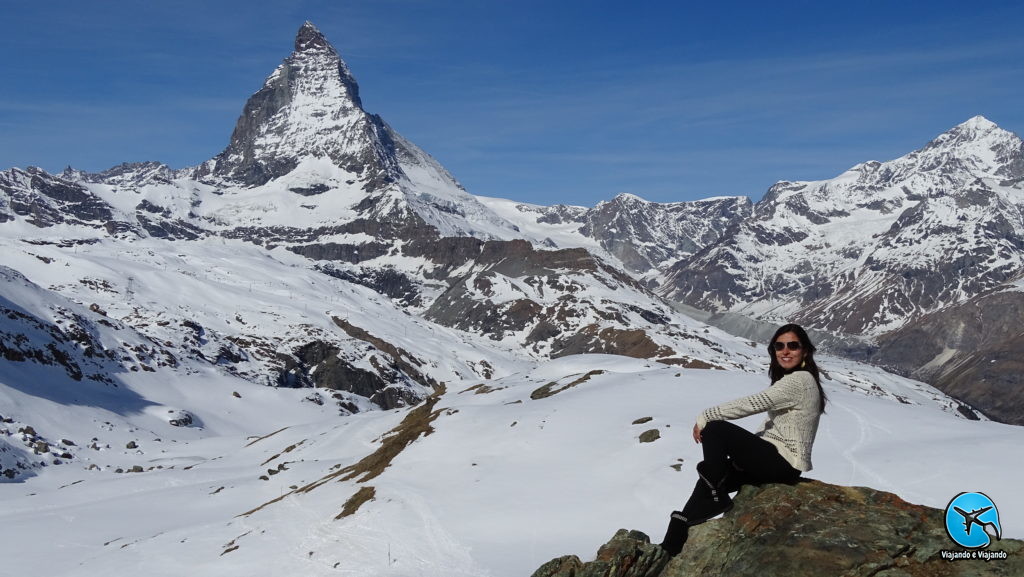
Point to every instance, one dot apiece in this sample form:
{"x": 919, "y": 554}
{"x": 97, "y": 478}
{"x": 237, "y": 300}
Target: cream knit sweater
{"x": 792, "y": 404}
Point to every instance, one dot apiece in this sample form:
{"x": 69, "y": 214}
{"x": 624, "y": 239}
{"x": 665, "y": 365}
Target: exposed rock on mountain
{"x": 82, "y": 344}
{"x": 971, "y": 351}
{"x": 627, "y": 554}
{"x": 44, "y": 200}
{"x": 811, "y": 528}
{"x": 551, "y": 302}
{"x": 646, "y": 235}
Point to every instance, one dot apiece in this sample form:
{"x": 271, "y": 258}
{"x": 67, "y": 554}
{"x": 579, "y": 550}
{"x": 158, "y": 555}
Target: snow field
{"x": 503, "y": 484}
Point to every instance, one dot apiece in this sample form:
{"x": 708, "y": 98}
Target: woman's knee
{"x": 716, "y": 428}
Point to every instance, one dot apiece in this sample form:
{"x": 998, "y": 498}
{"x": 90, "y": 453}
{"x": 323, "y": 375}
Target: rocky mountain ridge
{"x": 877, "y": 246}
{"x": 644, "y": 237}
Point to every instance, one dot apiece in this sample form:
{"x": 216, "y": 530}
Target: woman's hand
{"x": 696, "y": 434}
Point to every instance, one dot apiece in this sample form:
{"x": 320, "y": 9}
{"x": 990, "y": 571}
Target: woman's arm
{"x": 786, "y": 392}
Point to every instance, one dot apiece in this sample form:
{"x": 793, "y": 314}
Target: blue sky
{"x": 539, "y": 101}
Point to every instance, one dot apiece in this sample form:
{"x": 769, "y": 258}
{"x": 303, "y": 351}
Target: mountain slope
{"x": 970, "y": 350}
{"x": 645, "y": 237}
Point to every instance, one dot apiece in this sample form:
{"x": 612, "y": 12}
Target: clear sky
{"x": 544, "y": 101}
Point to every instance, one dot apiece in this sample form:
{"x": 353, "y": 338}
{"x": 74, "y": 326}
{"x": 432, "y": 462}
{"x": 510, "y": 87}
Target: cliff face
{"x": 811, "y": 528}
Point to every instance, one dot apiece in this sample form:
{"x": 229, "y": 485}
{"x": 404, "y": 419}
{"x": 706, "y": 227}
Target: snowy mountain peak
{"x": 878, "y": 246}
{"x": 319, "y": 59}
{"x": 309, "y": 107}
{"x": 310, "y": 38}
{"x": 978, "y": 122}
{"x": 625, "y": 197}
{"x": 305, "y": 132}
{"x": 975, "y": 149}
{"x": 974, "y": 132}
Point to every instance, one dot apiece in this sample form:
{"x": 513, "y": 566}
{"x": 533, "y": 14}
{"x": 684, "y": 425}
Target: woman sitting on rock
{"x": 779, "y": 453}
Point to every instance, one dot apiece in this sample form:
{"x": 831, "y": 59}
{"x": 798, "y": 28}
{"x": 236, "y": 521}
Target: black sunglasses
{"x": 792, "y": 345}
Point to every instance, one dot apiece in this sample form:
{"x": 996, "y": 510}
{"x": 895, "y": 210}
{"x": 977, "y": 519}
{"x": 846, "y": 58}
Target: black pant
{"x": 733, "y": 457}
{"x": 736, "y": 455}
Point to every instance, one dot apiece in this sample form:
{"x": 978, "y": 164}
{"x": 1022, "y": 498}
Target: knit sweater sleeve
{"x": 783, "y": 394}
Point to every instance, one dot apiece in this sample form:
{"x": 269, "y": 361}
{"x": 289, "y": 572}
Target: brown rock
{"x": 628, "y": 554}
{"x": 650, "y": 436}
{"x": 811, "y": 528}
{"x": 814, "y": 528}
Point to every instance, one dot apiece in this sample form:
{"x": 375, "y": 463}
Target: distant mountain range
{"x": 915, "y": 263}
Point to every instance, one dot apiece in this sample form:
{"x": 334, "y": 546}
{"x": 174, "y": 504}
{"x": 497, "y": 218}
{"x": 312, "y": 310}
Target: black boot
{"x": 676, "y": 535}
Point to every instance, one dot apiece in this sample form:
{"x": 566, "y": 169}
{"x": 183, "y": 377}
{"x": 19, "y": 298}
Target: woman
{"x": 779, "y": 453}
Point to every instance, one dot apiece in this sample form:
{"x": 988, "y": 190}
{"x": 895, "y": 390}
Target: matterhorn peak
{"x": 317, "y": 59}
{"x": 309, "y": 107}
{"x": 307, "y": 124}
{"x": 310, "y": 38}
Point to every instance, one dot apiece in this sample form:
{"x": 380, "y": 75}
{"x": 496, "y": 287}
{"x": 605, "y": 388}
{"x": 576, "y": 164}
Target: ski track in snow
{"x": 859, "y": 468}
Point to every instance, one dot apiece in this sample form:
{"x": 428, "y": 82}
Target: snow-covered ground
{"x": 507, "y": 479}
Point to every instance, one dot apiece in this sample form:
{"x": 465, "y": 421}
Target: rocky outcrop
{"x": 628, "y": 554}
{"x": 810, "y": 528}
{"x": 44, "y": 200}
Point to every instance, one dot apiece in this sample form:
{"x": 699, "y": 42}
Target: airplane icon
{"x": 971, "y": 519}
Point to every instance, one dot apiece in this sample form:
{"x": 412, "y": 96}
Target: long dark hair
{"x": 775, "y": 370}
